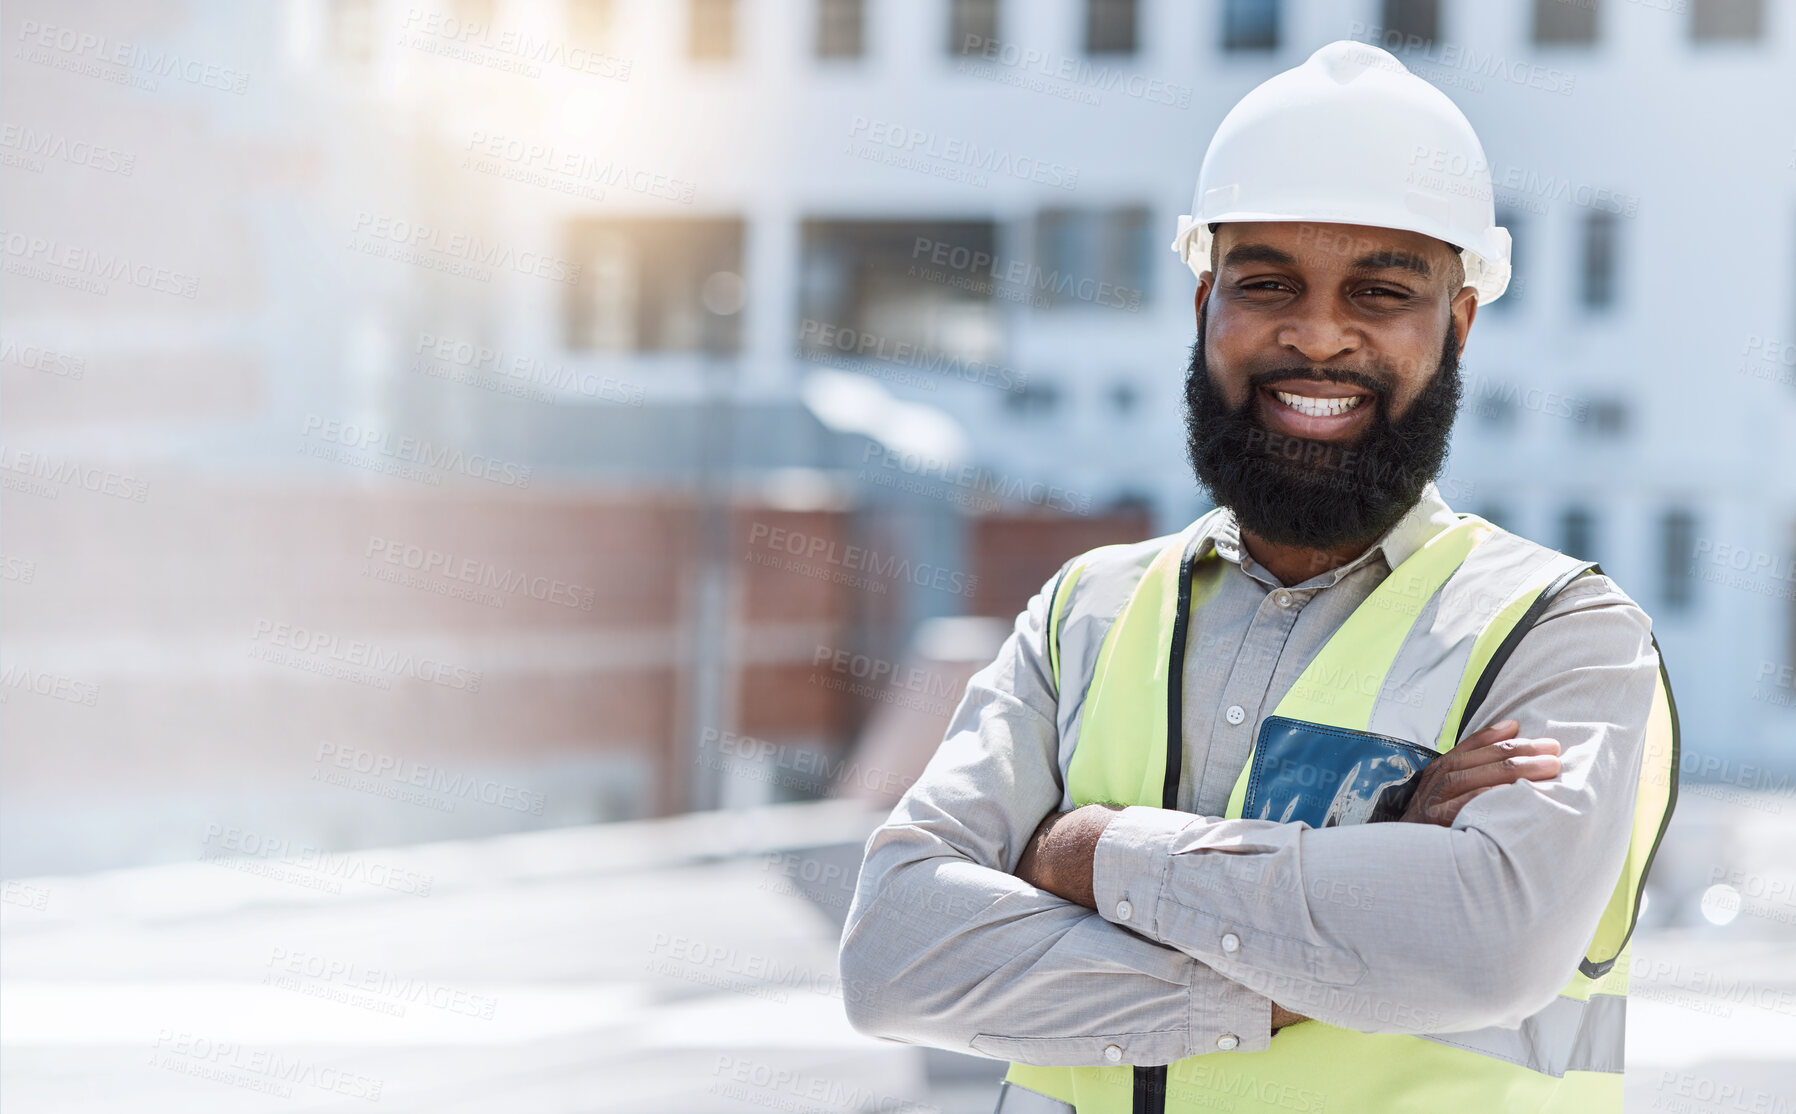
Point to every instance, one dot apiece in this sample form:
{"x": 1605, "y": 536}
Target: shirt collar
{"x": 1429, "y": 515}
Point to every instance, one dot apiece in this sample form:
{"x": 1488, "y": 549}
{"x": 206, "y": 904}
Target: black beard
{"x": 1318, "y": 494}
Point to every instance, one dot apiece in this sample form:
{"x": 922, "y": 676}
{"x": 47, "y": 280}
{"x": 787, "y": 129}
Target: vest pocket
{"x": 1315, "y": 774}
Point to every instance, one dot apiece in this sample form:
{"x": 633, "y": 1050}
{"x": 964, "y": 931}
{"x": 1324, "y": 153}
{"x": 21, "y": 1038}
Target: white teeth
{"x": 1318, "y": 407}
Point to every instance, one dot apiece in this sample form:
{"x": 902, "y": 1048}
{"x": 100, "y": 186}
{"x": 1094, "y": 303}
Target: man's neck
{"x": 1294, "y": 564}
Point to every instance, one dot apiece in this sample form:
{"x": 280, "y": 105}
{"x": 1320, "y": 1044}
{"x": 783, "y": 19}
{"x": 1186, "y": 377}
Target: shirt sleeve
{"x": 1416, "y": 928}
{"x": 944, "y": 946}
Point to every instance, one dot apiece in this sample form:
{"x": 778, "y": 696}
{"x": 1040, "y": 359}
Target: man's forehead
{"x": 1352, "y": 246}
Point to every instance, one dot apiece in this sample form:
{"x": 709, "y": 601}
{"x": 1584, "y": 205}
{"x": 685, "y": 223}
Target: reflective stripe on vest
{"x": 1413, "y": 662}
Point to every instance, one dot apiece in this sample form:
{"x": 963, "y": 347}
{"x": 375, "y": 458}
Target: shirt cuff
{"x": 1128, "y": 880}
{"x": 1130, "y": 863}
{"x": 1226, "y": 1016}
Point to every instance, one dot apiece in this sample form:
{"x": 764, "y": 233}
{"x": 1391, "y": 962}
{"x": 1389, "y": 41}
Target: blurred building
{"x": 757, "y": 335}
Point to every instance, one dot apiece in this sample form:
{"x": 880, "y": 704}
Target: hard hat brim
{"x": 1192, "y": 244}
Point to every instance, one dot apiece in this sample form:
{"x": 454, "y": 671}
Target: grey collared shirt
{"x": 1202, "y": 922}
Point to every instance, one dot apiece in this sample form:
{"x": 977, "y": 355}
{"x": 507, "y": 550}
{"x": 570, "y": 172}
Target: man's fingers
{"x": 1447, "y": 811}
{"x": 1497, "y": 751}
{"x": 1496, "y": 732}
{"x": 1529, "y": 767}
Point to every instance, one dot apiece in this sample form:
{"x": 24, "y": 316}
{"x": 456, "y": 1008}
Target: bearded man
{"x": 1336, "y": 799}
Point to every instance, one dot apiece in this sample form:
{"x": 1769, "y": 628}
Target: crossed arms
{"x": 1454, "y": 923}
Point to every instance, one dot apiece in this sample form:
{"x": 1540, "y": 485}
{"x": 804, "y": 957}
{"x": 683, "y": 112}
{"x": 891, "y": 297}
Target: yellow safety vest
{"x": 1117, "y": 625}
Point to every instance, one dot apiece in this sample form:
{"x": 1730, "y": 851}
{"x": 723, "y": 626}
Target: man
{"x": 1335, "y": 800}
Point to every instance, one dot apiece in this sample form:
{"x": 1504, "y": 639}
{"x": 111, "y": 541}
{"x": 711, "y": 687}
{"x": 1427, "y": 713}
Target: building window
{"x": 1038, "y": 399}
{"x": 1126, "y": 243}
{"x": 1577, "y": 533}
{"x": 655, "y": 286}
{"x": 589, "y": 23}
{"x": 1565, "y": 22}
{"x": 840, "y": 26}
{"x": 1606, "y": 418}
{"x": 1093, "y": 257}
{"x": 1677, "y": 531}
{"x": 915, "y": 293}
{"x": 352, "y": 31}
{"x": 1124, "y": 397}
{"x": 1599, "y": 250}
{"x": 1250, "y": 24}
{"x": 1496, "y": 514}
{"x": 1410, "y": 23}
{"x": 711, "y": 30}
{"x": 1727, "y": 21}
{"x": 1110, "y": 26}
{"x": 972, "y": 26}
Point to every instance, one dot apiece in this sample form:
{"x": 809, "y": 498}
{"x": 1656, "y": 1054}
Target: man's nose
{"x": 1318, "y": 335}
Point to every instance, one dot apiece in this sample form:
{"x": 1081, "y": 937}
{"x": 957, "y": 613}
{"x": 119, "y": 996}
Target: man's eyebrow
{"x": 1387, "y": 260}
{"x": 1242, "y": 254}
{"x": 1257, "y": 253}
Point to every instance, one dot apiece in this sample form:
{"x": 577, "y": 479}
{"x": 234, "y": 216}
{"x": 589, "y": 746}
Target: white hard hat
{"x": 1351, "y": 137}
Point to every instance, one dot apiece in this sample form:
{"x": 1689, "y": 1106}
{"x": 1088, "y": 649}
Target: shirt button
{"x": 1231, "y": 943}
{"x": 1227, "y": 1042}
{"x": 1236, "y": 713}
{"x": 1113, "y": 1053}
{"x": 1282, "y": 598}
{"x": 1123, "y": 909}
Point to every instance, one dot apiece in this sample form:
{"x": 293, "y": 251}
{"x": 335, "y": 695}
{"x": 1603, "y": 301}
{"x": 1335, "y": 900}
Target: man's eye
{"x": 1261, "y": 284}
{"x": 1386, "y": 291}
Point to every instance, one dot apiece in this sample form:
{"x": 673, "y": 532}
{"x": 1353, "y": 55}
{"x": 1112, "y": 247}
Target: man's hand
{"x": 1058, "y": 856}
{"x": 1485, "y": 760}
{"x": 1282, "y": 1017}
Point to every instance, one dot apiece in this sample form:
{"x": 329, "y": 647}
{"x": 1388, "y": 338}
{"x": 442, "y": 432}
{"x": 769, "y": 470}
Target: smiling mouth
{"x": 1319, "y": 407}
